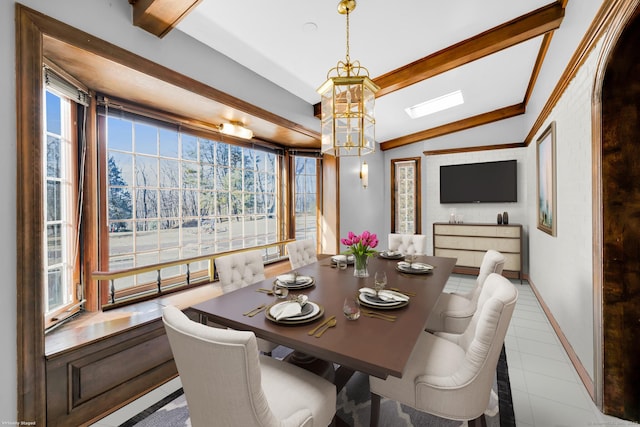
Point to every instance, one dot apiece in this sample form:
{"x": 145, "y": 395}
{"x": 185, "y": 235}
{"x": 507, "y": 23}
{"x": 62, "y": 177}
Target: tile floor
{"x": 545, "y": 387}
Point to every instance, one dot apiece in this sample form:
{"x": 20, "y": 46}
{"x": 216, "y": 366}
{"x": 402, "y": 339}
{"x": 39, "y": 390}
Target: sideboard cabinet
{"x": 469, "y": 242}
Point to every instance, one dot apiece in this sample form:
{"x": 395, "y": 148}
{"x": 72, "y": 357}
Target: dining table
{"x": 372, "y": 345}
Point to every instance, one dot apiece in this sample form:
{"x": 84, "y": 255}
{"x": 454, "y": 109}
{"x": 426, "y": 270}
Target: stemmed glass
{"x": 379, "y": 281}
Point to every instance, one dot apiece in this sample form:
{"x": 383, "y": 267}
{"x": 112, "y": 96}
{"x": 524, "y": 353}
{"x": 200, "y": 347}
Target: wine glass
{"x": 379, "y": 281}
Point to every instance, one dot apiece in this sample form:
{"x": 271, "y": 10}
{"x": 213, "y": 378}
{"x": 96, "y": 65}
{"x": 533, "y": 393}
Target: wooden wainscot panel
{"x": 91, "y": 381}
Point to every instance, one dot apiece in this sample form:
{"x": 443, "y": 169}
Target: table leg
{"x": 317, "y": 366}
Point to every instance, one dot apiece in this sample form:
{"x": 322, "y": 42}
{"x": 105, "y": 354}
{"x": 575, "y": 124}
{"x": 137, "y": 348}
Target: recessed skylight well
{"x": 435, "y": 105}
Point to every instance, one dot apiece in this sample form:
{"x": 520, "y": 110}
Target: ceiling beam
{"x": 470, "y": 122}
{"x": 160, "y": 16}
{"x": 511, "y": 33}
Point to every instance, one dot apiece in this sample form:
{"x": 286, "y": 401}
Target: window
{"x": 175, "y": 195}
{"x": 306, "y": 192}
{"x": 405, "y": 196}
{"x": 60, "y": 248}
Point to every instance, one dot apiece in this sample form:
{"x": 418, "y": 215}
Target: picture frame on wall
{"x": 546, "y": 180}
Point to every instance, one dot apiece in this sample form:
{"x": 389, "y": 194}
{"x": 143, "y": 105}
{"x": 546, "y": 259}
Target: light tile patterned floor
{"x": 545, "y": 387}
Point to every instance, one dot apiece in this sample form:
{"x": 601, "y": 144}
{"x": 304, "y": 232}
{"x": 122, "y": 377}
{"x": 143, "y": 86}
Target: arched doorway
{"x": 619, "y": 155}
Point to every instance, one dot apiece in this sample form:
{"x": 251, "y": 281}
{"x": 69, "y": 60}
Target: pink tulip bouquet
{"x": 362, "y": 244}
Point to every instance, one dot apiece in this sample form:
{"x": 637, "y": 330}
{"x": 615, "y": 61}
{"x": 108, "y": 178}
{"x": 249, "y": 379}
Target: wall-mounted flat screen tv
{"x": 488, "y": 182}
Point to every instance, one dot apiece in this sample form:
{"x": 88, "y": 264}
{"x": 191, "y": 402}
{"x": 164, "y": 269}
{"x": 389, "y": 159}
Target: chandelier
{"x": 347, "y": 103}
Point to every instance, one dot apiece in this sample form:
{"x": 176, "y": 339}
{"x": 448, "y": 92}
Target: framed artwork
{"x": 405, "y": 196}
{"x": 546, "y": 171}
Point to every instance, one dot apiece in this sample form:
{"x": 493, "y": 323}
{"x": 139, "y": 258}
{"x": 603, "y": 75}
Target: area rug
{"x": 353, "y": 406}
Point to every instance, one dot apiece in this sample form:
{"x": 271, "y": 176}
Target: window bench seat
{"x": 99, "y": 362}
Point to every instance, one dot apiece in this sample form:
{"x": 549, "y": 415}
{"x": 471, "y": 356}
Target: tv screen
{"x": 489, "y": 182}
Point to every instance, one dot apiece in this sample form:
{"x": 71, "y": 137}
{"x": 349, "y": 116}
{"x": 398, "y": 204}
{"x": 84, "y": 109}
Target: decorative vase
{"x": 360, "y": 265}
{"x": 499, "y": 218}
{"x": 505, "y": 217}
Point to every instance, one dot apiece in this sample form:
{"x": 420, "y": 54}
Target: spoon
{"x": 330, "y": 324}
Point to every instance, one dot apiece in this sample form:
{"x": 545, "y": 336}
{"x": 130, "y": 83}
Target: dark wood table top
{"x": 373, "y": 346}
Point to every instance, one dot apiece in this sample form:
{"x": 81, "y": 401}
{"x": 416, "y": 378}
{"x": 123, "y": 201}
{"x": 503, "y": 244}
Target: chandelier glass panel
{"x": 347, "y": 105}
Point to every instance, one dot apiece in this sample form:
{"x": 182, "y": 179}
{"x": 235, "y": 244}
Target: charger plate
{"x": 307, "y": 283}
{"x": 372, "y": 302}
{"x": 308, "y": 315}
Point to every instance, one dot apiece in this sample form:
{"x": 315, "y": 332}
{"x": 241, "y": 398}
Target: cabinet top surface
{"x": 475, "y": 224}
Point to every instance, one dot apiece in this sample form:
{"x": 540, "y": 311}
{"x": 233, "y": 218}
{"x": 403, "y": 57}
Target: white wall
{"x": 561, "y": 267}
{"x": 363, "y": 208}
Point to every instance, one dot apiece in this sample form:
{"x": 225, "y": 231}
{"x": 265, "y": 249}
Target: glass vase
{"x": 360, "y": 265}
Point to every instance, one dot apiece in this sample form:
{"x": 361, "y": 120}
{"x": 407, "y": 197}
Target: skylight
{"x": 435, "y": 105}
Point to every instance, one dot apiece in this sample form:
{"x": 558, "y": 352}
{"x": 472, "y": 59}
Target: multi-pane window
{"x": 305, "y": 171}
{"x": 174, "y": 195}
{"x": 59, "y": 247}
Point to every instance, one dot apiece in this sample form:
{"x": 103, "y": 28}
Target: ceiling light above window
{"x": 435, "y": 105}
{"x": 236, "y": 129}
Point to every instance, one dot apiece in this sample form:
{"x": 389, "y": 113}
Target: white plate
{"x": 309, "y": 310}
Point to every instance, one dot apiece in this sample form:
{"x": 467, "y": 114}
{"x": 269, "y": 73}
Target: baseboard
{"x": 575, "y": 360}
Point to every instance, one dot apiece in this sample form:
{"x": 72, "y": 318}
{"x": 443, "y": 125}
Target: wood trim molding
{"x": 31, "y": 375}
{"x": 518, "y": 30}
{"x": 472, "y": 149}
{"x": 573, "y": 357}
{"x": 159, "y": 17}
{"x": 470, "y": 122}
{"x": 606, "y": 17}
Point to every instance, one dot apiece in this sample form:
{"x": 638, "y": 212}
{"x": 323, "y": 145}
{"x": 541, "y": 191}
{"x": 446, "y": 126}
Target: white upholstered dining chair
{"x": 451, "y": 375}
{"x": 301, "y": 252}
{"x": 238, "y": 270}
{"x": 453, "y": 311}
{"x": 408, "y": 244}
{"x": 227, "y": 383}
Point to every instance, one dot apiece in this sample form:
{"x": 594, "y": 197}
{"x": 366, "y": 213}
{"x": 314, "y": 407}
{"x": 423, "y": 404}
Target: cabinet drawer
{"x": 474, "y": 258}
{"x": 477, "y": 243}
{"x": 478, "y": 230}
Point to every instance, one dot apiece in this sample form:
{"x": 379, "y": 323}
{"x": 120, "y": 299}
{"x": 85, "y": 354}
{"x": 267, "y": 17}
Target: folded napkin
{"x": 385, "y": 295}
{"x": 286, "y": 309}
{"x": 421, "y": 266}
{"x": 392, "y": 253}
{"x": 291, "y": 278}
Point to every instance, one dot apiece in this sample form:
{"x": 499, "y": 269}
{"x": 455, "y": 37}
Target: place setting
{"x": 342, "y": 261}
{"x": 292, "y": 281}
{"x": 411, "y": 266}
{"x": 389, "y": 254}
{"x": 296, "y": 310}
{"x": 380, "y": 298}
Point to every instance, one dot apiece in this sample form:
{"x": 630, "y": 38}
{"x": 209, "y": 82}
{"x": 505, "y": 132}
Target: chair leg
{"x": 481, "y": 421}
{"x": 375, "y": 410}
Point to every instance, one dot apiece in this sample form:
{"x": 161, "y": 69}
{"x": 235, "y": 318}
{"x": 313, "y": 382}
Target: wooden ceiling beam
{"x": 511, "y": 33}
{"x": 160, "y": 16}
{"x": 470, "y": 122}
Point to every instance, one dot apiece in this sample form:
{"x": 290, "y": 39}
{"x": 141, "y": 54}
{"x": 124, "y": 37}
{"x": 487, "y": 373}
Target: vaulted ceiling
{"x": 492, "y": 51}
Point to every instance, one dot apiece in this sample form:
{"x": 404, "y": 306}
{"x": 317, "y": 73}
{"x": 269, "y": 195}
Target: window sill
{"x": 92, "y": 327}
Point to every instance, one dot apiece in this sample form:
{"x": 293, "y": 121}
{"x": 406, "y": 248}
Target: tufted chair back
{"x": 302, "y": 252}
{"x": 239, "y": 270}
{"x": 411, "y": 244}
